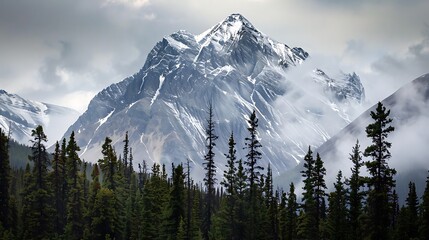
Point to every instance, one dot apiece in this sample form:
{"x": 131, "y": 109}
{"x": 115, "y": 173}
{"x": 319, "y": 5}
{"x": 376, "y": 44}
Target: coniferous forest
{"x": 60, "y": 196}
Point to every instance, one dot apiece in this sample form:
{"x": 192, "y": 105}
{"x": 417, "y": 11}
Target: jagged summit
{"x": 228, "y": 29}
{"x": 232, "y": 65}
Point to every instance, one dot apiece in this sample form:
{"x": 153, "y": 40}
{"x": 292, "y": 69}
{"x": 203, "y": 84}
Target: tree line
{"x": 59, "y": 196}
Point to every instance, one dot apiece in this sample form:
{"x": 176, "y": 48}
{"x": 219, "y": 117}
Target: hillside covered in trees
{"x": 60, "y": 196}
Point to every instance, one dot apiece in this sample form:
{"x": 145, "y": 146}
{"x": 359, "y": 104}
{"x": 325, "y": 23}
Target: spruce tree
{"x": 229, "y": 182}
{"x": 240, "y": 211}
{"x": 271, "y": 201}
{"x": 40, "y": 196}
{"x": 127, "y": 172}
{"x": 253, "y": 155}
{"x": 412, "y": 203}
{"x": 355, "y": 195}
{"x": 109, "y": 165}
{"x": 210, "y": 177}
{"x": 26, "y": 215}
{"x": 282, "y": 216}
{"x": 175, "y": 209}
{"x": 253, "y": 158}
{"x": 291, "y": 214}
{"x": 57, "y": 178}
{"x": 93, "y": 191}
{"x": 103, "y": 222}
{"x": 309, "y": 225}
{"x": 381, "y": 181}
{"x": 337, "y": 216}
{"x": 424, "y": 213}
{"x": 74, "y": 227}
{"x": 319, "y": 189}
{"x": 154, "y": 200}
{"x": 4, "y": 180}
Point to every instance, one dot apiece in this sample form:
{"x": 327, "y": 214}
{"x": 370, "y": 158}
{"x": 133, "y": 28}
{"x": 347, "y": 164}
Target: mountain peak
{"x": 238, "y": 18}
{"x": 229, "y": 28}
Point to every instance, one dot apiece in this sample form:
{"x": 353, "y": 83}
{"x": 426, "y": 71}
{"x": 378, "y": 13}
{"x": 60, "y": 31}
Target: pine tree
{"x": 309, "y": 224}
{"x": 424, "y": 213}
{"x": 337, "y": 216}
{"x": 176, "y": 211}
{"x": 127, "y": 172}
{"x": 240, "y": 212}
{"x": 229, "y": 182}
{"x": 154, "y": 199}
{"x": 401, "y": 231}
{"x": 109, "y": 165}
{"x": 319, "y": 189}
{"x": 40, "y": 196}
{"x": 355, "y": 196}
{"x": 282, "y": 215}
{"x": 381, "y": 180}
{"x": 412, "y": 203}
{"x": 57, "y": 179}
{"x": 291, "y": 214}
{"x": 271, "y": 200}
{"x": 4, "y": 180}
{"x": 103, "y": 222}
{"x": 253, "y": 169}
{"x": 253, "y": 156}
{"x": 210, "y": 177}
{"x": 28, "y": 183}
{"x": 74, "y": 227}
{"x": 93, "y": 191}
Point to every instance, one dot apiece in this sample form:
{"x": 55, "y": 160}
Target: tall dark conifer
{"x": 4, "y": 179}
{"x": 210, "y": 177}
{"x": 57, "y": 178}
{"x": 175, "y": 208}
{"x": 109, "y": 165}
{"x": 319, "y": 188}
{"x": 412, "y": 203}
{"x": 254, "y": 176}
{"x": 127, "y": 172}
{"x": 240, "y": 204}
{"x": 40, "y": 225}
{"x": 291, "y": 214}
{"x": 424, "y": 213}
{"x": 381, "y": 181}
{"x": 355, "y": 195}
{"x": 309, "y": 228}
{"x": 74, "y": 226}
{"x": 229, "y": 182}
{"x": 253, "y": 155}
{"x": 337, "y": 216}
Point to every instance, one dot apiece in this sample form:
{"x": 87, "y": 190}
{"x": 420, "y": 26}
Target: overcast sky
{"x": 64, "y": 52}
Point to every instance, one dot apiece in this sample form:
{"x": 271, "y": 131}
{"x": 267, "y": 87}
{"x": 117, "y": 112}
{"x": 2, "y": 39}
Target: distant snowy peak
{"x": 229, "y": 29}
{"x": 236, "y": 30}
{"x": 20, "y": 116}
{"x": 344, "y": 87}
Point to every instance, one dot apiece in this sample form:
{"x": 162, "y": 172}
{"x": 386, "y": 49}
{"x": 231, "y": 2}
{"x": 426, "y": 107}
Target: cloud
{"x": 130, "y": 3}
{"x": 149, "y": 16}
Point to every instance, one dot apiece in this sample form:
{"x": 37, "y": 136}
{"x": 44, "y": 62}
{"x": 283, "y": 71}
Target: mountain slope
{"x": 22, "y": 116}
{"x": 237, "y": 69}
{"x": 410, "y": 113}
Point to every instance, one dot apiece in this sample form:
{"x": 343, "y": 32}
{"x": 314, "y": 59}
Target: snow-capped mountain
{"x": 237, "y": 69}
{"x": 21, "y": 116}
{"x": 409, "y": 109}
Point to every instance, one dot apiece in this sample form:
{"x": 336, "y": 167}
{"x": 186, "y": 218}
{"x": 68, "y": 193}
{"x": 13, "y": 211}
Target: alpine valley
{"x": 235, "y": 68}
